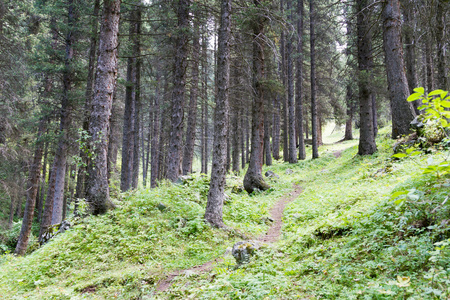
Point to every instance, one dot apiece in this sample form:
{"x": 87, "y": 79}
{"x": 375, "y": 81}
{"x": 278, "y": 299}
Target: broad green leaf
{"x": 446, "y": 114}
{"x": 409, "y": 150}
{"x": 416, "y": 153}
{"x": 444, "y": 122}
{"x": 413, "y": 97}
{"x": 445, "y": 103}
{"x": 398, "y": 193}
{"x": 419, "y": 90}
{"x": 444, "y": 94}
{"x": 422, "y": 107}
{"x": 436, "y": 92}
{"x": 399, "y": 155}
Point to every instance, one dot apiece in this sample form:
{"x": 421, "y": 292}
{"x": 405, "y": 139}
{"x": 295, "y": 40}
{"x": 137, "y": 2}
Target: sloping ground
{"x": 344, "y": 237}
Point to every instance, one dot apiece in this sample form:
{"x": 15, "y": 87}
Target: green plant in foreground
{"x": 435, "y": 117}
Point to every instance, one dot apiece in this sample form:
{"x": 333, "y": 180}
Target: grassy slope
{"x": 344, "y": 238}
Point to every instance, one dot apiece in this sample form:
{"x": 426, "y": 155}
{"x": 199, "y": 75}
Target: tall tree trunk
{"x": 276, "y": 127}
{"x": 80, "y": 190}
{"x": 176, "y": 131}
{"x": 129, "y": 117}
{"x": 156, "y": 133}
{"x": 253, "y": 179}
{"x": 429, "y": 64}
{"x": 114, "y": 134}
{"x": 192, "y": 115}
{"x": 66, "y": 118}
{"x": 137, "y": 96}
{"x": 349, "y": 121}
{"x": 367, "y": 137}
{"x": 214, "y": 206}
{"x": 441, "y": 43}
{"x": 314, "y": 125}
{"x": 299, "y": 81}
{"x": 40, "y": 206}
{"x": 410, "y": 50}
{"x": 267, "y": 119}
{"x": 402, "y": 111}
{"x": 284, "y": 97}
{"x": 290, "y": 89}
{"x": 32, "y": 188}
{"x": 205, "y": 106}
{"x": 97, "y": 194}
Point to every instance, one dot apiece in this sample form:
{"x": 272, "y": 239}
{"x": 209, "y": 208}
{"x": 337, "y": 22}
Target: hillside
{"x": 346, "y": 236}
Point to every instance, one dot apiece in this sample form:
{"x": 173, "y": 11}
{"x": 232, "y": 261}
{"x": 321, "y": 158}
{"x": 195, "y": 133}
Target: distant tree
{"x": 299, "y": 81}
{"x": 97, "y": 194}
{"x": 314, "y": 117}
{"x": 214, "y": 206}
{"x": 290, "y": 89}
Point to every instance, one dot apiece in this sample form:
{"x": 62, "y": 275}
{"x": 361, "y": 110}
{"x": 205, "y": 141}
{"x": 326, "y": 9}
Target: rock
{"x": 242, "y": 251}
{"x": 226, "y": 199}
{"x": 63, "y": 227}
{"x": 289, "y": 172}
{"x": 271, "y": 174}
{"x": 416, "y": 124}
{"x": 267, "y": 220}
{"x": 161, "y": 207}
{"x": 184, "y": 179}
{"x": 237, "y": 189}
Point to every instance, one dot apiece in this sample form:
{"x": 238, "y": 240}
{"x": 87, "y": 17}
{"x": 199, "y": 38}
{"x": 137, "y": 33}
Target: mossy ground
{"x": 344, "y": 237}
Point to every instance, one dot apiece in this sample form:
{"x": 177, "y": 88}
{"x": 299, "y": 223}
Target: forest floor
{"x": 369, "y": 227}
{"x": 271, "y": 236}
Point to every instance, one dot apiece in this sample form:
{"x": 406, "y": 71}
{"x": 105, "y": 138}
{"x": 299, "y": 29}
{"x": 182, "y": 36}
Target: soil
{"x": 272, "y": 235}
{"x": 338, "y": 153}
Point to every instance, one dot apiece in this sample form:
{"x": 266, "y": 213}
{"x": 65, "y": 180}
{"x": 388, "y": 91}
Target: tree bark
{"x": 97, "y": 194}
{"x": 441, "y": 43}
{"x": 214, "y": 206}
{"x": 205, "y": 116}
{"x": 402, "y": 111}
{"x": 192, "y": 115}
{"x": 32, "y": 188}
{"x": 176, "y": 131}
{"x": 137, "y": 96}
{"x": 299, "y": 81}
{"x": 156, "y": 134}
{"x": 80, "y": 190}
{"x": 314, "y": 125}
{"x": 66, "y": 118}
{"x": 367, "y": 137}
{"x": 253, "y": 179}
{"x": 290, "y": 89}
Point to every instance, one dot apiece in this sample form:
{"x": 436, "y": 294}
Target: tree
{"x": 177, "y": 119}
{"x": 32, "y": 189}
{"x": 299, "y": 81}
{"x": 253, "y": 179}
{"x": 97, "y": 194}
{"x": 314, "y": 125}
{"x": 367, "y": 137}
{"x": 290, "y": 89}
{"x": 214, "y": 206}
{"x": 402, "y": 111}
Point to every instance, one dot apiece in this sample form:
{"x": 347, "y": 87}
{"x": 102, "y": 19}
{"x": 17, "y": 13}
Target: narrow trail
{"x": 271, "y": 236}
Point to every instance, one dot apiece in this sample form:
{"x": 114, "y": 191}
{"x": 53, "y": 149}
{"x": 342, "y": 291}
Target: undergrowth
{"x": 370, "y": 227}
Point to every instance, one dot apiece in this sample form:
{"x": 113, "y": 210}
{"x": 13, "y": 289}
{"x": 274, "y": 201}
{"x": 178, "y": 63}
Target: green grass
{"x": 344, "y": 237}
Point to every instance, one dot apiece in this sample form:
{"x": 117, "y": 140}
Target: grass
{"x": 344, "y": 237}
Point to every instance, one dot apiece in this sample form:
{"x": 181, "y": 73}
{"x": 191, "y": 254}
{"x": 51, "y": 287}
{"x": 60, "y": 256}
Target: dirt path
{"x": 272, "y": 235}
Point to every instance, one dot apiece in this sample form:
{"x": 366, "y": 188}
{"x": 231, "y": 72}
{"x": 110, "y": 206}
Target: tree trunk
{"x": 214, "y": 206}
{"x": 205, "y": 106}
{"x": 192, "y": 115}
{"x": 66, "y": 118}
{"x": 314, "y": 127}
{"x": 349, "y": 121}
{"x": 156, "y": 134}
{"x": 137, "y": 96}
{"x": 253, "y": 179}
{"x": 267, "y": 148}
{"x": 402, "y": 111}
{"x": 80, "y": 190}
{"x": 97, "y": 194}
{"x": 114, "y": 136}
{"x": 441, "y": 43}
{"x": 410, "y": 51}
{"x": 290, "y": 90}
{"x": 276, "y": 127}
{"x": 367, "y": 137}
{"x": 32, "y": 188}
{"x": 299, "y": 82}
{"x": 176, "y": 131}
